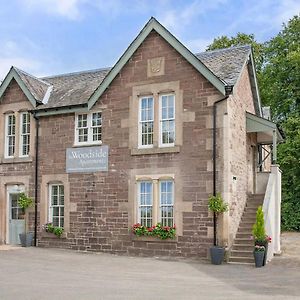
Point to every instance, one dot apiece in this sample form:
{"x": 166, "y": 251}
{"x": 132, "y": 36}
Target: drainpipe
{"x": 215, "y": 158}
{"x": 37, "y": 124}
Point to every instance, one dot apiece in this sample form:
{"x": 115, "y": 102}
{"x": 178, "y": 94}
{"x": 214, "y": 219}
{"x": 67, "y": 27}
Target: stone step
{"x": 242, "y": 247}
{"x": 247, "y": 230}
{"x": 248, "y": 219}
{"x": 255, "y": 196}
{"x": 241, "y": 253}
{"x": 250, "y": 210}
{"x": 243, "y": 260}
{"x": 243, "y": 235}
{"x": 243, "y": 241}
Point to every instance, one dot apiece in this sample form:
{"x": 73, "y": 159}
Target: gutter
{"x": 228, "y": 91}
{"x": 36, "y": 178}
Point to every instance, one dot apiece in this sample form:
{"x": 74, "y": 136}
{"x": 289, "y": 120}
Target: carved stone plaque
{"x": 156, "y": 66}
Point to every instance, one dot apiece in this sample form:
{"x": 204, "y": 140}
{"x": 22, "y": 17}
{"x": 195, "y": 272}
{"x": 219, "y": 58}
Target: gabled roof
{"x": 68, "y": 92}
{"x": 153, "y": 24}
{"x": 73, "y": 88}
{"x": 226, "y": 63}
{"x": 34, "y": 88}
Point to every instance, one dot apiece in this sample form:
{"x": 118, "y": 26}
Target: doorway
{"x": 15, "y": 217}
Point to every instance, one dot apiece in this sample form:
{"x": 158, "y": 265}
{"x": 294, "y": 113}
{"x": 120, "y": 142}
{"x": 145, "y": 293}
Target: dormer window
{"x": 88, "y": 128}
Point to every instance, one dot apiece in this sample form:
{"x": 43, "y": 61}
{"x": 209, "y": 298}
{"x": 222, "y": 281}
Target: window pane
{"x": 57, "y": 205}
{"x": 145, "y": 203}
{"x": 167, "y": 121}
{"x": 167, "y": 202}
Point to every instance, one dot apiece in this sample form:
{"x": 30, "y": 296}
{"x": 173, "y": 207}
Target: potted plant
{"x": 24, "y": 203}
{"x": 259, "y": 233}
{"x": 159, "y": 231}
{"x": 58, "y": 231}
{"x": 259, "y": 254}
{"x": 217, "y": 205}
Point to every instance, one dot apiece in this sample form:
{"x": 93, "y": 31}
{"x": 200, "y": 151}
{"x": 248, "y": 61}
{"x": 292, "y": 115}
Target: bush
{"x": 258, "y": 230}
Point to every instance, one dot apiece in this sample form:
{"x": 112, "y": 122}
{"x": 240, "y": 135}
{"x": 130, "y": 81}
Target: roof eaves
{"x": 13, "y": 74}
{"x": 153, "y": 24}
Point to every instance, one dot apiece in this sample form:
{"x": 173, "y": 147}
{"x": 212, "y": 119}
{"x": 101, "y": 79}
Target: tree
{"x": 280, "y": 77}
{"x": 278, "y": 73}
{"x": 239, "y": 40}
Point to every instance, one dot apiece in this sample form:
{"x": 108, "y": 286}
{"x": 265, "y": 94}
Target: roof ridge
{"x": 77, "y": 72}
{"x": 224, "y": 49}
{"x": 32, "y": 76}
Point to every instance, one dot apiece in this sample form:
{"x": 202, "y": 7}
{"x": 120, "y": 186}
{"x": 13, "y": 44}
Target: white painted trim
{"x": 140, "y": 146}
{"x": 89, "y": 127}
{"x": 6, "y": 136}
{"x": 11, "y": 189}
{"x": 21, "y": 134}
{"x": 47, "y": 94}
{"x": 160, "y": 143}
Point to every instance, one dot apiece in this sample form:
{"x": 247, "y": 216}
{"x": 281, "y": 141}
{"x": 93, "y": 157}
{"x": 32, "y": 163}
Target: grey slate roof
{"x": 36, "y": 86}
{"x": 226, "y": 63}
{"x": 76, "y": 88}
{"x": 73, "y": 88}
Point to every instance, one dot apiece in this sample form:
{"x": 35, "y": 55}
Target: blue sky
{"x": 45, "y": 37}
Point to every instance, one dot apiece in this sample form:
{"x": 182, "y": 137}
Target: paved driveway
{"x": 35, "y": 273}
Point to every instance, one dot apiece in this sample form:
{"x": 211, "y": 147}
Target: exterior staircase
{"x": 242, "y": 249}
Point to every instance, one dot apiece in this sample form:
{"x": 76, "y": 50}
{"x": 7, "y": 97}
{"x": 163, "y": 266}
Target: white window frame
{"x": 89, "y": 128}
{"x": 156, "y": 197}
{"x": 161, "y": 120}
{"x": 7, "y": 136}
{"x": 22, "y": 134}
{"x": 50, "y": 206}
{"x": 166, "y": 205}
{"x": 140, "y": 206}
{"x": 140, "y": 122}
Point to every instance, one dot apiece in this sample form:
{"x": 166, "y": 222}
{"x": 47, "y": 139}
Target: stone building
{"x": 145, "y": 141}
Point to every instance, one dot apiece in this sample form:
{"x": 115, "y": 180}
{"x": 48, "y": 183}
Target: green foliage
{"x": 289, "y": 160}
{"x": 239, "y": 40}
{"x": 58, "y": 231}
{"x": 163, "y": 232}
{"x": 258, "y": 230}
{"x": 24, "y": 201}
{"x": 279, "y": 80}
{"x": 216, "y": 204}
{"x": 278, "y": 73}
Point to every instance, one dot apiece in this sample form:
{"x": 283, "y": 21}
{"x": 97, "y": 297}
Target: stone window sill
{"x": 152, "y": 239}
{"x": 50, "y": 235}
{"x": 16, "y": 160}
{"x": 175, "y": 149}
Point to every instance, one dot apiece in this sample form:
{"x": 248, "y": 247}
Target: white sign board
{"x": 87, "y": 159}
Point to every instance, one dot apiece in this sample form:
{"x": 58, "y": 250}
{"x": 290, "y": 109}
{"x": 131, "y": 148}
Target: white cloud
{"x": 27, "y": 64}
{"x": 66, "y": 8}
{"x": 177, "y": 19}
{"x": 198, "y": 45}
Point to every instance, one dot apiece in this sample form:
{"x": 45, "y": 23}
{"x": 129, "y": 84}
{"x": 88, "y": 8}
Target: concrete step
{"x": 241, "y": 253}
{"x": 242, "y": 260}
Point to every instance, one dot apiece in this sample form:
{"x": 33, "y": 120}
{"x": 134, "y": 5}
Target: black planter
{"x": 259, "y": 258}
{"x": 265, "y": 244}
{"x": 217, "y": 255}
{"x": 26, "y": 239}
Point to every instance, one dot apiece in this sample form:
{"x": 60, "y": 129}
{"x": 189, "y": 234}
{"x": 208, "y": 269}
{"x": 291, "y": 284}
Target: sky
{"x": 47, "y": 37}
